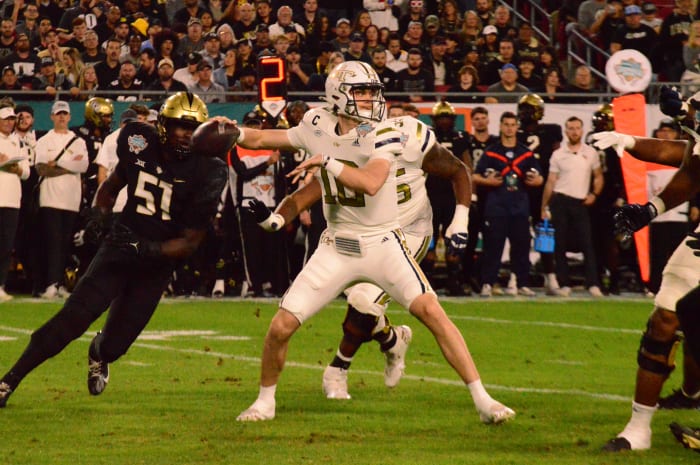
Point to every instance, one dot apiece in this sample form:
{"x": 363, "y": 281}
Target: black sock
{"x": 388, "y": 341}
{"x": 340, "y": 363}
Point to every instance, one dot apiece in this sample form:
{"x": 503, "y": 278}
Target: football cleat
{"x": 677, "y": 400}
{"x": 335, "y": 383}
{"x": 496, "y": 414}
{"x": 98, "y": 373}
{"x": 617, "y": 444}
{"x": 396, "y": 356}
{"x": 257, "y": 412}
{"x": 5, "y": 391}
{"x": 689, "y": 437}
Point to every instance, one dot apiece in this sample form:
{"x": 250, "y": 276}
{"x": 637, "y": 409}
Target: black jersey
{"x": 477, "y": 148}
{"x": 93, "y": 142}
{"x": 166, "y": 197}
{"x": 542, "y": 141}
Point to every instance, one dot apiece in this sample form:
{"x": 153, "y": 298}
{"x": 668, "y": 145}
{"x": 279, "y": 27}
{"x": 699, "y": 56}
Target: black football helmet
{"x": 603, "y": 118}
{"x": 183, "y": 109}
{"x": 530, "y": 108}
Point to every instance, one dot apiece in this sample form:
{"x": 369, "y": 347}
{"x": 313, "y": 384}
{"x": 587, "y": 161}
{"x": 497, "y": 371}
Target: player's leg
{"x": 404, "y": 281}
{"x": 322, "y": 279}
{"x": 494, "y": 233}
{"x": 129, "y": 313}
{"x": 689, "y": 318}
{"x": 657, "y": 351}
{"x": 90, "y": 299}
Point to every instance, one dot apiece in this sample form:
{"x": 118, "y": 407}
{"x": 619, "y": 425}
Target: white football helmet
{"x": 341, "y": 83}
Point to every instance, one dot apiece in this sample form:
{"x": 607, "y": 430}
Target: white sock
{"x": 482, "y": 399}
{"x": 267, "y": 394}
{"x": 344, "y": 358}
{"x": 638, "y": 429}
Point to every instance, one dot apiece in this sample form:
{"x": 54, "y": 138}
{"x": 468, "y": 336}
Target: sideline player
{"x": 172, "y": 197}
{"x": 363, "y": 241}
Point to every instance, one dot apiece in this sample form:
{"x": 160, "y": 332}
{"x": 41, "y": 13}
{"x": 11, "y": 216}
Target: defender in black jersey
{"x": 172, "y": 198}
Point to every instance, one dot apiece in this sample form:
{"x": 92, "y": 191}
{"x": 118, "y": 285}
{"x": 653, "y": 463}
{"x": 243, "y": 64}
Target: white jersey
{"x": 415, "y": 213}
{"x": 107, "y": 157}
{"x": 346, "y": 211}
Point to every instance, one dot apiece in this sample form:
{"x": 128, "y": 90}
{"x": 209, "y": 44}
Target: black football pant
{"x": 8, "y": 227}
{"x": 130, "y": 287}
{"x": 688, "y": 312}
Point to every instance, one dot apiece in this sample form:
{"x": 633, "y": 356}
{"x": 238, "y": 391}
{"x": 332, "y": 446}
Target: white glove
{"x": 456, "y": 234}
{"x": 79, "y": 238}
{"x": 618, "y": 141}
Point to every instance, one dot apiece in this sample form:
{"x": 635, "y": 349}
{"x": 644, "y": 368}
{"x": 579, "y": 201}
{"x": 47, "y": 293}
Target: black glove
{"x": 633, "y": 217}
{"x": 97, "y": 226}
{"x": 123, "y": 238}
{"x": 671, "y": 103}
{"x": 456, "y": 244}
{"x": 259, "y": 210}
{"x": 694, "y": 243}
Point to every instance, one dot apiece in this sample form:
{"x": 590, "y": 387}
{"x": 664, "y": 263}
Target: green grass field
{"x": 567, "y": 368}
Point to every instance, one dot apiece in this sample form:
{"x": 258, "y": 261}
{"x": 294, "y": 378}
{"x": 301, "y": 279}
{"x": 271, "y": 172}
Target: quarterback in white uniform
{"x": 363, "y": 241}
{"x": 680, "y": 275}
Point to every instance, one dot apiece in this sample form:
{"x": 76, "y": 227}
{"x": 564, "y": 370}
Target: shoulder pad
{"x": 320, "y": 118}
{"x": 136, "y": 138}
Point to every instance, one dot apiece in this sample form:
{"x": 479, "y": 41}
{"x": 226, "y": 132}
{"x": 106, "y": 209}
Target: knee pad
{"x": 368, "y": 299}
{"x": 648, "y": 346}
{"x": 359, "y": 326}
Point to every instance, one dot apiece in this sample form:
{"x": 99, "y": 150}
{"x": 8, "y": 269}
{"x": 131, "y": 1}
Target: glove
{"x": 123, "y": 238}
{"x": 633, "y": 217}
{"x": 671, "y": 103}
{"x": 456, "y": 235}
{"x": 266, "y": 218}
{"x": 97, "y": 226}
{"x": 694, "y": 243}
{"x": 615, "y": 140}
{"x": 79, "y": 238}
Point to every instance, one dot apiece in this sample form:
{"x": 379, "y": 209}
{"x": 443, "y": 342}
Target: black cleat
{"x": 5, "y": 391}
{"x": 689, "y": 437}
{"x": 677, "y": 400}
{"x": 617, "y": 445}
{"x": 98, "y": 372}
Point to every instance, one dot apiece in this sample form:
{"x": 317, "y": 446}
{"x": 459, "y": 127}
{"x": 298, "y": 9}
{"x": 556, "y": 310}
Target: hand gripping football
{"x": 214, "y": 138}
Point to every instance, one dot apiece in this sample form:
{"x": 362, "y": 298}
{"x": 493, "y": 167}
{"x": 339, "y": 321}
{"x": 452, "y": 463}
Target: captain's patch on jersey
{"x": 137, "y": 143}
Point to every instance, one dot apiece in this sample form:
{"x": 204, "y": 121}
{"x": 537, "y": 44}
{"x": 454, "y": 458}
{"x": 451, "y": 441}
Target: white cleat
{"x": 257, "y": 412}
{"x": 335, "y": 383}
{"x": 497, "y": 413}
{"x": 396, "y": 356}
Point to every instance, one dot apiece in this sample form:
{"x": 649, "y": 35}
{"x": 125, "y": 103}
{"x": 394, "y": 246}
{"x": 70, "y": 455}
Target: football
{"x": 214, "y": 138}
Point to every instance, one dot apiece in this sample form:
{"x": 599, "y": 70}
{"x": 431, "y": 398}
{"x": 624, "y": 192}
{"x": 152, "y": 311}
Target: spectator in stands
{"x": 212, "y": 50}
{"x": 105, "y": 29}
{"x": 244, "y": 48}
{"x": 188, "y": 74}
{"x": 587, "y": 14}
{"x": 650, "y": 17}
{"x": 386, "y": 76}
{"x": 108, "y": 70}
{"x": 484, "y": 9}
{"x": 30, "y": 23}
{"x": 76, "y": 38}
{"x": 294, "y": 37}
{"x": 225, "y": 75}
{"x": 341, "y": 43}
{"x": 247, "y": 82}
{"x": 431, "y": 29}
{"x": 552, "y": 87}
{"x": 549, "y": 60}
{"x": 23, "y": 60}
{"x": 415, "y": 13}
{"x": 371, "y": 37}
{"x": 438, "y": 66}
{"x": 51, "y": 48}
{"x": 415, "y": 80}
{"x": 381, "y": 13}
{"x": 396, "y": 58}
{"x": 503, "y": 23}
{"x": 50, "y": 81}
{"x": 507, "y": 169}
{"x": 155, "y": 27}
{"x": 691, "y": 49}
{"x": 298, "y": 72}
{"x": 506, "y": 54}
{"x": 467, "y": 82}
{"x": 488, "y": 50}
{"x": 263, "y": 13}
{"x": 121, "y": 33}
{"x": 607, "y": 21}
{"x": 507, "y": 84}
{"x": 226, "y": 37}
{"x": 574, "y": 182}
{"x": 92, "y": 53}
{"x": 527, "y": 44}
{"x": 634, "y": 35}
{"x": 413, "y": 37}
{"x": 284, "y": 19}
{"x": 471, "y": 28}
{"x": 317, "y": 81}
{"x": 192, "y": 9}
{"x": 60, "y": 194}
{"x": 244, "y": 28}
{"x": 166, "y": 47}
{"x": 280, "y": 45}
{"x": 193, "y": 41}
{"x": 72, "y": 64}
{"x": 356, "y": 50}
{"x": 9, "y": 80}
{"x": 472, "y": 57}
{"x": 674, "y": 33}
{"x": 262, "y": 38}
{"x": 208, "y": 90}
{"x": 361, "y": 20}
{"x": 527, "y": 75}
{"x": 166, "y": 82}
{"x": 450, "y": 17}
{"x": 87, "y": 83}
{"x": 207, "y": 23}
{"x": 147, "y": 70}
{"x": 582, "y": 84}
{"x": 51, "y": 10}
{"x": 7, "y": 37}
{"x": 134, "y": 44}
{"x": 127, "y": 82}
{"x": 11, "y": 175}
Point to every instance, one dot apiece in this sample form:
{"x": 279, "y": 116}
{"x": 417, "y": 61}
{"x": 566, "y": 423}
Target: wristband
{"x": 332, "y": 165}
{"x": 274, "y": 222}
{"x": 241, "y": 135}
{"x": 628, "y": 141}
{"x": 659, "y": 204}
{"x": 461, "y": 216}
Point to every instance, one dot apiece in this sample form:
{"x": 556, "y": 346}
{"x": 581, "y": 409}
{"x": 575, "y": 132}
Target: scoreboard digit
{"x": 272, "y": 87}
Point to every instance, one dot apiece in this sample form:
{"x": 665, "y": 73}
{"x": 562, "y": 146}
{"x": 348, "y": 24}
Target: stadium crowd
{"x": 472, "y": 52}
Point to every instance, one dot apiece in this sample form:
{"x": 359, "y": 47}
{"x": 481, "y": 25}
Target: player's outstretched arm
{"x": 264, "y": 139}
{"x": 685, "y": 183}
{"x": 664, "y": 152}
{"x": 439, "y": 161}
{"x": 107, "y": 192}
{"x": 287, "y": 210}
